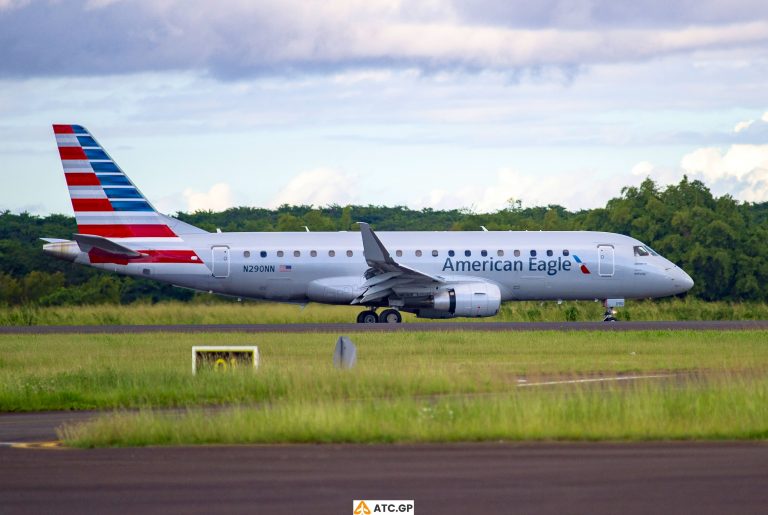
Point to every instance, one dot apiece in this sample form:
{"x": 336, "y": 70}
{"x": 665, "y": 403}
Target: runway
{"x": 695, "y": 325}
{"x": 457, "y": 478}
{"x": 448, "y": 479}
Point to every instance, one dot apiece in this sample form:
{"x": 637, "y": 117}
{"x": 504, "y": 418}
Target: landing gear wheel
{"x": 610, "y": 318}
{"x": 390, "y": 316}
{"x": 367, "y": 317}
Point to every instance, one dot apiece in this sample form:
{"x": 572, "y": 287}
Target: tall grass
{"x": 406, "y": 387}
{"x": 42, "y": 372}
{"x": 272, "y": 313}
{"x": 728, "y": 407}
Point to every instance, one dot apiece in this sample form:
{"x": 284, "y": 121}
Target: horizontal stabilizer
{"x": 87, "y": 242}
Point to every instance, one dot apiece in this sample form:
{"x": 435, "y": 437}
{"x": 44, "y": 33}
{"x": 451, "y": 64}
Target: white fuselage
{"x": 330, "y": 267}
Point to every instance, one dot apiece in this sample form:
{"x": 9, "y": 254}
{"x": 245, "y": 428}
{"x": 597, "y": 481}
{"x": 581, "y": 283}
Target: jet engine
{"x": 462, "y": 300}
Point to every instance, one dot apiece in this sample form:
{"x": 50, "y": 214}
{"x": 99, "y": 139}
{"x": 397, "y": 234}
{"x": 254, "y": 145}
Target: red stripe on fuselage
{"x": 91, "y": 204}
{"x": 82, "y": 179}
{"x": 63, "y": 129}
{"x": 128, "y": 231}
{"x": 76, "y": 153}
{"x": 152, "y": 256}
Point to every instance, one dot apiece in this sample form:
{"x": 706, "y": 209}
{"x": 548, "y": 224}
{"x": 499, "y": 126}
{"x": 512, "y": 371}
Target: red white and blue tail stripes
{"x": 109, "y": 205}
{"x": 105, "y": 201}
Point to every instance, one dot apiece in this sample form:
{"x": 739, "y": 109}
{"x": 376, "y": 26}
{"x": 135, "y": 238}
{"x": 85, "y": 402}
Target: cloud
{"x": 13, "y": 4}
{"x": 218, "y": 198}
{"x": 743, "y": 125}
{"x": 740, "y": 171}
{"x": 318, "y": 187}
{"x": 565, "y": 189}
{"x": 239, "y": 38}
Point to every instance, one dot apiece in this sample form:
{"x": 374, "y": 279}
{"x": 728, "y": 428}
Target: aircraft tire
{"x": 390, "y": 316}
{"x": 367, "y": 317}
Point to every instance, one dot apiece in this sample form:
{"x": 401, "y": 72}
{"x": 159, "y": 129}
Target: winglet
{"x": 374, "y": 251}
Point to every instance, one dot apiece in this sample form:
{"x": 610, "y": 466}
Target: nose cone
{"x": 682, "y": 282}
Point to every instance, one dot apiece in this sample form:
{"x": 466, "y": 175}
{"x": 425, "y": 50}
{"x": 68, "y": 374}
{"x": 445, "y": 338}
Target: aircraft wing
{"x": 386, "y": 275}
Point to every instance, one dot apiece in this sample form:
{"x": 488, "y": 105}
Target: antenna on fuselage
{"x": 483, "y": 228}
{"x": 305, "y": 228}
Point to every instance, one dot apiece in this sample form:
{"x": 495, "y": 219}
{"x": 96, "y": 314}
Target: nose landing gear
{"x": 610, "y": 312}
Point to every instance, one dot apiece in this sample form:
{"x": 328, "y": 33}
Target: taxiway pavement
{"x": 694, "y": 325}
{"x": 462, "y": 478}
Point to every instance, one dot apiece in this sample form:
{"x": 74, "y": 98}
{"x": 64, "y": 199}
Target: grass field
{"x": 406, "y": 387}
{"x": 218, "y": 312}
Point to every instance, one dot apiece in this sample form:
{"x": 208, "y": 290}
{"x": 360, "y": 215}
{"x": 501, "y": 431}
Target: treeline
{"x": 719, "y": 241}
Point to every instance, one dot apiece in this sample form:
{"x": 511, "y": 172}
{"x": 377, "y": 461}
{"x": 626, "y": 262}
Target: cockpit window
{"x": 642, "y": 250}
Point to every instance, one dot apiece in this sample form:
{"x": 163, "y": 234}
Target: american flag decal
{"x": 284, "y": 268}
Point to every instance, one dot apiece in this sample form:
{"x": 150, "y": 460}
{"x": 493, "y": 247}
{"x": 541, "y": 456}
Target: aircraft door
{"x": 220, "y": 261}
{"x": 605, "y": 263}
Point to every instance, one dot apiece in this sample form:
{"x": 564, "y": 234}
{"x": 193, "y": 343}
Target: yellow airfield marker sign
{"x": 223, "y": 358}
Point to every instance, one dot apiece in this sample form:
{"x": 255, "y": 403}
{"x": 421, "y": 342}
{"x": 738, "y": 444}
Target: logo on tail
{"x": 105, "y": 201}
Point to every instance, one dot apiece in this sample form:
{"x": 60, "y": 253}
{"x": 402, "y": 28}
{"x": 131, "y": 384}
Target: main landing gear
{"x": 388, "y": 316}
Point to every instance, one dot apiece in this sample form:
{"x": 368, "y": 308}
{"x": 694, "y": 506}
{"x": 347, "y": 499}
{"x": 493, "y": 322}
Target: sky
{"x": 439, "y": 104}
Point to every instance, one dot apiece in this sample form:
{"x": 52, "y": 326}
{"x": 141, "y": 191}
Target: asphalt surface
{"x": 698, "y": 325}
{"x": 460, "y": 478}
{"x": 446, "y": 479}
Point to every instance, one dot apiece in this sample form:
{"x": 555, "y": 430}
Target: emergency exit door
{"x": 605, "y": 263}
{"x": 220, "y": 261}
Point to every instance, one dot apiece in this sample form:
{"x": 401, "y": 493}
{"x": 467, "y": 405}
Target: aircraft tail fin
{"x": 105, "y": 200}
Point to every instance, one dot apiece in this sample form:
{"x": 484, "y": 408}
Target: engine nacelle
{"x": 464, "y": 300}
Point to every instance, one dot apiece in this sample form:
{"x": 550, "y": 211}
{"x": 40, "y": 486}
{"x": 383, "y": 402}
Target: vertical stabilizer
{"x": 105, "y": 201}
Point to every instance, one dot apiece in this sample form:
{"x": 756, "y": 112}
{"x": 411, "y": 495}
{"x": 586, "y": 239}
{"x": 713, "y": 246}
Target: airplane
{"x": 432, "y": 274}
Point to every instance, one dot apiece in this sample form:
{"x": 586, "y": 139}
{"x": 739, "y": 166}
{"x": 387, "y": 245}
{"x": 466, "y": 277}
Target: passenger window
{"x": 451, "y": 253}
{"x": 349, "y": 253}
{"x": 296, "y": 253}
{"x": 280, "y": 253}
{"x": 550, "y": 253}
{"x": 263, "y": 253}
{"x": 418, "y": 253}
{"x": 517, "y": 253}
{"x": 566, "y": 253}
{"x": 533, "y": 253}
{"x": 399, "y": 253}
{"x": 246, "y": 254}
{"x": 484, "y": 253}
{"x": 500, "y": 253}
{"x": 332, "y": 253}
{"x": 435, "y": 253}
{"x": 313, "y": 253}
{"x": 467, "y": 253}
